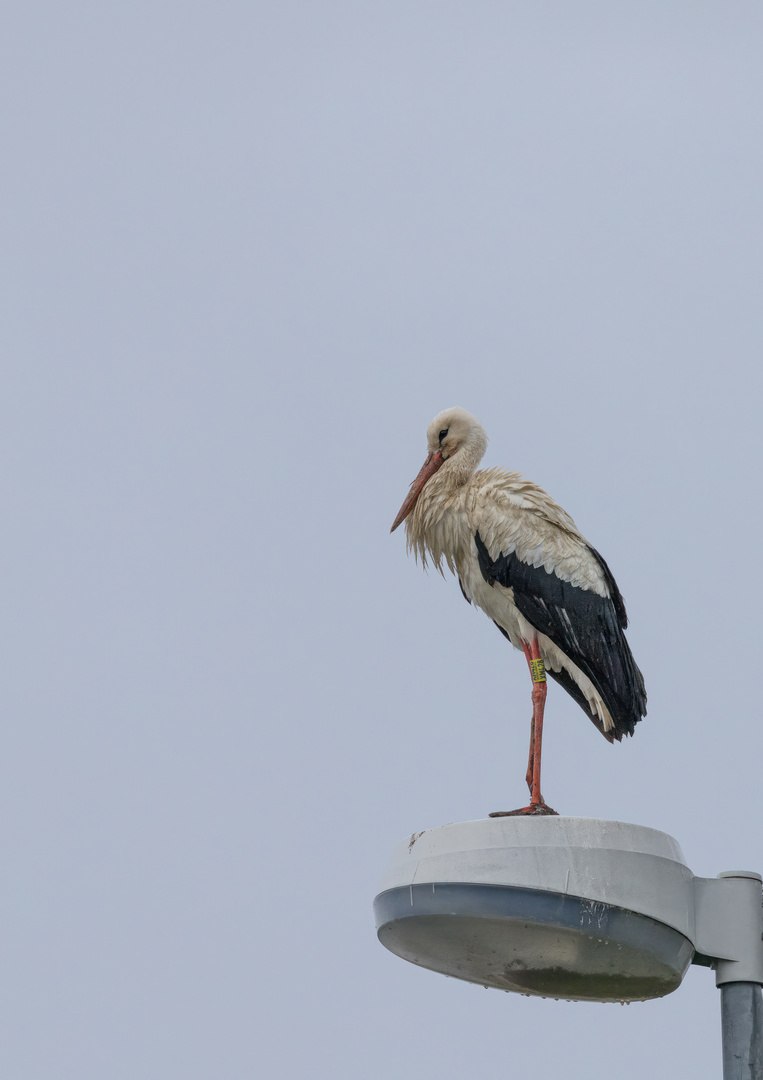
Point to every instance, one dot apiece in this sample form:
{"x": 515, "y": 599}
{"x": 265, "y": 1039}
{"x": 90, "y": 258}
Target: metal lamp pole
{"x": 742, "y": 1027}
{"x": 739, "y": 982}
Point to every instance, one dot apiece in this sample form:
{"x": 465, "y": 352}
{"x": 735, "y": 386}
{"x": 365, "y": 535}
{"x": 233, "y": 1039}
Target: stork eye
{"x": 443, "y": 433}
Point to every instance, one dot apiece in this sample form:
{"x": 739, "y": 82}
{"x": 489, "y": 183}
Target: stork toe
{"x": 533, "y": 810}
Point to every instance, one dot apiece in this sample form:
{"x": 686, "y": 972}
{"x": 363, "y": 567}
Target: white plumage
{"x": 522, "y": 560}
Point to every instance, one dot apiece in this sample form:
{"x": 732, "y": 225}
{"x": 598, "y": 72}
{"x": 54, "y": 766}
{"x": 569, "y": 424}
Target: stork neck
{"x": 459, "y": 469}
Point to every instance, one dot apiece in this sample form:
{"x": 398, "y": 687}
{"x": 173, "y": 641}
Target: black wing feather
{"x": 588, "y": 628}
{"x": 614, "y": 592}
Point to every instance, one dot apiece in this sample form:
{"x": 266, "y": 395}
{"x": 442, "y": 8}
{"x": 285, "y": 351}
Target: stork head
{"x": 455, "y": 437}
{"x": 454, "y": 431}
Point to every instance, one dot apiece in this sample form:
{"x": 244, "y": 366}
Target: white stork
{"x": 521, "y": 559}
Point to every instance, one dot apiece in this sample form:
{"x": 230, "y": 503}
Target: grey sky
{"x": 249, "y": 251}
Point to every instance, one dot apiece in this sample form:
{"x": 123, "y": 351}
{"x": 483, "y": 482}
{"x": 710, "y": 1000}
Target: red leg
{"x": 531, "y": 756}
{"x": 538, "y": 672}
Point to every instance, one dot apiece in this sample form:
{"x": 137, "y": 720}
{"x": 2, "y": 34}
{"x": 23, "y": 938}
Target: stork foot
{"x": 534, "y": 810}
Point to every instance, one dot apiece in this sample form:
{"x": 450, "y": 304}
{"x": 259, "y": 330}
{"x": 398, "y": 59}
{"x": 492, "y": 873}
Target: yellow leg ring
{"x": 538, "y": 669}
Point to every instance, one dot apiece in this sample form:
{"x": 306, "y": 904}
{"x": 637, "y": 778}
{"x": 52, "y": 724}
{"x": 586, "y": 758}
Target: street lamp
{"x": 580, "y": 909}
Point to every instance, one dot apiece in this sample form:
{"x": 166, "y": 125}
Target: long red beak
{"x": 428, "y": 469}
